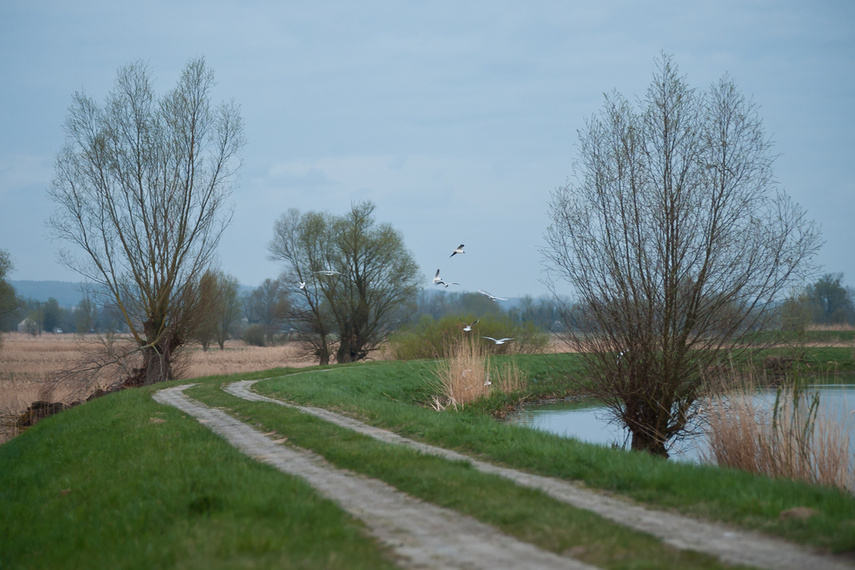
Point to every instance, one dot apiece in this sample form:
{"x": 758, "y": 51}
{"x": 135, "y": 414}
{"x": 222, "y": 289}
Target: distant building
{"x": 28, "y": 325}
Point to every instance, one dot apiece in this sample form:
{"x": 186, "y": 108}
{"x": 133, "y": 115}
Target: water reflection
{"x": 593, "y": 424}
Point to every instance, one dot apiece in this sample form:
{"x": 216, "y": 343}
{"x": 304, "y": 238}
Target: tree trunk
{"x": 158, "y": 355}
{"x": 645, "y": 441}
{"x": 323, "y": 356}
{"x": 157, "y": 362}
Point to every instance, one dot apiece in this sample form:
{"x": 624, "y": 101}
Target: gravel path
{"x": 730, "y": 545}
{"x": 422, "y": 534}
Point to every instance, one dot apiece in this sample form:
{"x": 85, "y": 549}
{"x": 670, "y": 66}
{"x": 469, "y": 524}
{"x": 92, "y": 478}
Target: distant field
{"x": 28, "y": 363}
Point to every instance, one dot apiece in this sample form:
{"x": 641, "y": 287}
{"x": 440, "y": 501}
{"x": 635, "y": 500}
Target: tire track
{"x": 422, "y": 534}
{"x": 734, "y": 546}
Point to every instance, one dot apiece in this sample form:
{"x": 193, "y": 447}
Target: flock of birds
{"x": 437, "y": 280}
{"x": 467, "y": 327}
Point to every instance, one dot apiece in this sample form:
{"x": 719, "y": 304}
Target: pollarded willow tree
{"x": 675, "y": 239}
{"x": 140, "y": 190}
{"x": 353, "y": 281}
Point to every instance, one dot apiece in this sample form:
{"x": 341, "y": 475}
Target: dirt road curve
{"x": 429, "y": 536}
{"x": 422, "y": 534}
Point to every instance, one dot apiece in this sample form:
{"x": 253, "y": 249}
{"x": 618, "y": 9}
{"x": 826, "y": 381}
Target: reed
{"x": 465, "y": 375}
{"x": 793, "y": 439}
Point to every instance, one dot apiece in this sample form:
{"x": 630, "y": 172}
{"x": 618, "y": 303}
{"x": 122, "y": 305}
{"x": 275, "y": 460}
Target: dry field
{"x": 28, "y": 365}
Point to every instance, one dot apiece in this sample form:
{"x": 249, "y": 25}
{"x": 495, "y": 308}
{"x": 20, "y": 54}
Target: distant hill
{"x": 66, "y": 294}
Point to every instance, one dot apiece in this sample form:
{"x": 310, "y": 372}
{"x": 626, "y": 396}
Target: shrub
{"x": 255, "y": 335}
{"x": 430, "y": 338}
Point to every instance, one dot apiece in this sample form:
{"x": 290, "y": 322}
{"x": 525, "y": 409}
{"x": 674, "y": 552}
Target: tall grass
{"x": 793, "y": 439}
{"x": 465, "y": 374}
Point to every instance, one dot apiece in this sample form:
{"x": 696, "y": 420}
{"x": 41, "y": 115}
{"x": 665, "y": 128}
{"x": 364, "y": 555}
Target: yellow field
{"x": 28, "y": 364}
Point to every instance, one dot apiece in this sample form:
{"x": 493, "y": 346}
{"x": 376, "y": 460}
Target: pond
{"x": 591, "y": 422}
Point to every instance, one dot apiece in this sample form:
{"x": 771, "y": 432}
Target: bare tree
{"x": 352, "y": 278}
{"x": 140, "y": 189}
{"x": 675, "y": 239}
{"x": 303, "y": 244}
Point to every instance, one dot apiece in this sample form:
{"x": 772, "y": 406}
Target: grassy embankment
{"x": 124, "y": 482}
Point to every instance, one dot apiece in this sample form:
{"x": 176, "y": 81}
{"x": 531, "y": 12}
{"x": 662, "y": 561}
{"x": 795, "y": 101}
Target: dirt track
{"x": 427, "y": 536}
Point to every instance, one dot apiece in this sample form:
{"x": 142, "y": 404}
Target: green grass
{"x": 127, "y": 483}
{"x": 808, "y": 337}
{"x": 123, "y": 482}
{"x": 527, "y": 514}
{"x": 387, "y": 395}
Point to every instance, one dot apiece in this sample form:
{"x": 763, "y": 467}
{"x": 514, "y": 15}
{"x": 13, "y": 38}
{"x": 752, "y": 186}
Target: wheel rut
{"x": 421, "y": 534}
{"x": 730, "y": 545}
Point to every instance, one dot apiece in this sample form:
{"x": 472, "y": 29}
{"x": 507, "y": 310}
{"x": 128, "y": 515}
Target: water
{"x": 592, "y": 423}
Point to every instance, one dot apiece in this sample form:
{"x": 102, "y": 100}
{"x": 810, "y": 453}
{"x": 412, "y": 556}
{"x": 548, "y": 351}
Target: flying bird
{"x": 499, "y": 340}
{"x": 492, "y": 297}
{"x": 458, "y": 250}
{"x": 468, "y": 327}
{"x": 302, "y": 285}
{"x": 437, "y": 280}
{"x": 328, "y": 272}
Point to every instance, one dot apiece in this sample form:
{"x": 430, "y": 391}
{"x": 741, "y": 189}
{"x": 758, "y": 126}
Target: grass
{"x": 389, "y": 394}
{"x": 527, "y": 514}
{"x": 124, "y": 482}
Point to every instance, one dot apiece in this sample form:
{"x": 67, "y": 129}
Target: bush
{"x": 255, "y": 335}
{"x": 430, "y": 338}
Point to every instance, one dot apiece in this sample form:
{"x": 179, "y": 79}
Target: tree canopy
{"x": 352, "y": 280}
{"x": 675, "y": 239}
{"x": 140, "y": 190}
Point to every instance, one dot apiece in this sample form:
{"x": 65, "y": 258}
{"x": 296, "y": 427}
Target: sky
{"x": 458, "y": 119}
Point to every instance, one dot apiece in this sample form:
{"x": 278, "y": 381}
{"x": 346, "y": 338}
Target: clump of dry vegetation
{"x": 465, "y": 375}
{"x": 792, "y": 438}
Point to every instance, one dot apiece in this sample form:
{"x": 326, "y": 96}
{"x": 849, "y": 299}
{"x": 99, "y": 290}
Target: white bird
{"x": 458, "y": 250}
{"x": 499, "y": 340}
{"x": 437, "y": 280}
{"x": 302, "y": 285}
{"x": 467, "y": 328}
{"x": 492, "y": 297}
{"x": 328, "y": 272}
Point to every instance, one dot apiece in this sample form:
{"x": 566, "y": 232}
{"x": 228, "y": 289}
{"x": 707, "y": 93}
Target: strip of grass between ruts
{"x": 387, "y": 394}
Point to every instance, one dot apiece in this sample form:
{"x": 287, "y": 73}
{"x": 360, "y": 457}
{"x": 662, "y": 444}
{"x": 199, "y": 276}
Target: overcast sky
{"x": 458, "y": 119}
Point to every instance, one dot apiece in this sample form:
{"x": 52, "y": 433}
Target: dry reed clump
{"x": 790, "y": 439}
{"x": 465, "y": 375}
